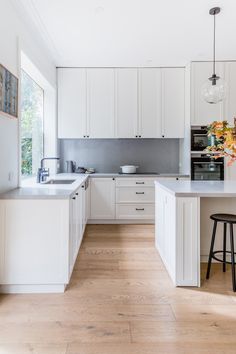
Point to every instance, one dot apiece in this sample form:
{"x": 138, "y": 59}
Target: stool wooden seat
{"x": 226, "y": 219}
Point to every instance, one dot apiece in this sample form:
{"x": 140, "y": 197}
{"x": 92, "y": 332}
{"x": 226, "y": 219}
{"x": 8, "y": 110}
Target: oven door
{"x": 199, "y": 139}
{"x": 206, "y": 169}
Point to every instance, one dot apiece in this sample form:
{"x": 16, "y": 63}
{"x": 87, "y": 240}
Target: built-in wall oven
{"x": 200, "y": 139}
{"x": 207, "y": 168}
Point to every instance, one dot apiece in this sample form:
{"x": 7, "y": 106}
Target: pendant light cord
{"x": 214, "y": 47}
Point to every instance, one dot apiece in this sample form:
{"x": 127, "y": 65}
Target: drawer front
{"x": 135, "y": 182}
{"x": 135, "y": 211}
{"x": 135, "y": 195}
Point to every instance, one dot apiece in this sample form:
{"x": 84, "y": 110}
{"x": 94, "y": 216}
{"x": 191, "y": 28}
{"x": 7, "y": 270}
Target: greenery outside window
{"x": 32, "y": 113}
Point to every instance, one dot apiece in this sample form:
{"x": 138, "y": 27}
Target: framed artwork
{"x": 8, "y": 93}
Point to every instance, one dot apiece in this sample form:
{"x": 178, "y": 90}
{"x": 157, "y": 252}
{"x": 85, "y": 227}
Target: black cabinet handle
{"x": 140, "y": 182}
{"x": 139, "y": 209}
{"x": 74, "y": 198}
{"x": 139, "y": 192}
{"x": 76, "y": 193}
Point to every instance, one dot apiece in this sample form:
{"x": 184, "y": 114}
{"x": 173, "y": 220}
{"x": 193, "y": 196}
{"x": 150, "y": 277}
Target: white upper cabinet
{"x": 100, "y": 103}
{"x": 203, "y": 113}
{"x": 126, "y": 103}
{"x": 230, "y": 101}
{"x": 173, "y": 102}
{"x": 71, "y": 103}
{"x": 120, "y": 103}
{"x": 150, "y": 103}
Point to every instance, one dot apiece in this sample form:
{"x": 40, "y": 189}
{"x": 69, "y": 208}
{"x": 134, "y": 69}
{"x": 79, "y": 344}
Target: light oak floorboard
{"x": 121, "y": 301}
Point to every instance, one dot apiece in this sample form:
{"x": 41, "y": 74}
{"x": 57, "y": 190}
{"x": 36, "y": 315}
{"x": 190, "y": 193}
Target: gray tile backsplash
{"x": 107, "y": 155}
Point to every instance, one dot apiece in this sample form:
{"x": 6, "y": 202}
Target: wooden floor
{"x": 121, "y": 301}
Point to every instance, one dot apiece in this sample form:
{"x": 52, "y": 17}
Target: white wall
{"x": 16, "y": 35}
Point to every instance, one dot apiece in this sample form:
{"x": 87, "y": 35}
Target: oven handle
{"x": 208, "y": 163}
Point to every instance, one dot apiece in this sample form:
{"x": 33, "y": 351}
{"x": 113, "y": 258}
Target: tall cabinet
{"x": 203, "y": 113}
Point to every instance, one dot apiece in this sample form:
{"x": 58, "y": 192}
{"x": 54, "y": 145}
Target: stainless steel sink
{"x": 60, "y": 181}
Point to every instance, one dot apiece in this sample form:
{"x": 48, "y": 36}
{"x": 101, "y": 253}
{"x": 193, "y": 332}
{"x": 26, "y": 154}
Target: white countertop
{"x": 199, "y": 188}
{"x": 32, "y": 190}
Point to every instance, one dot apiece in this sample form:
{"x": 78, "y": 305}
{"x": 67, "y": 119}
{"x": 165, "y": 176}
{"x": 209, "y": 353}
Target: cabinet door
{"x": 173, "y": 109}
{"x": 203, "y": 113}
{"x": 230, "y": 101}
{"x": 150, "y": 103}
{"x": 71, "y": 103}
{"x": 102, "y": 198}
{"x": 100, "y": 103}
{"x": 126, "y": 103}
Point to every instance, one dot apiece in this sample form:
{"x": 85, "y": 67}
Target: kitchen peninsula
{"x": 183, "y": 226}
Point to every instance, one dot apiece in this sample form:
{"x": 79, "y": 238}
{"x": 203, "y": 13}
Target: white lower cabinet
{"x": 39, "y": 242}
{"x": 135, "y": 198}
{"x": 124, "y": 198}
{"x": 135, "y": 211}
{"x": 102, "y": 198}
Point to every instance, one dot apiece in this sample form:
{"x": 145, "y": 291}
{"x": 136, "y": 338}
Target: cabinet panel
{"x": 230, "y": 101}
{"x": 126, "y": 103}
{"x": 102, "y": 198}
{"x": 173, "y": 102}
{"x": 71, "y": 103}
{"x": 150, "y": 103}
{"x": 135, "y": 195}
{"x": 100, "y": 103}
{"x": 135, "y": 211}
{"x": 203, "y": 113}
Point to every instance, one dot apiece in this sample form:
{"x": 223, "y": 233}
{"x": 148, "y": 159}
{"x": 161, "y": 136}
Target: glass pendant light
{"x": 214, "y": 89}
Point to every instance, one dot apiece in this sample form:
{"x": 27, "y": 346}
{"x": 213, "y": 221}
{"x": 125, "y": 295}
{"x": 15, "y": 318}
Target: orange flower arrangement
{"x": 225, "y": 140}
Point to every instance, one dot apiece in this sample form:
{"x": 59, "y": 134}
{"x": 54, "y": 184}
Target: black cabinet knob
{"x": 139, "y": 136}
{"x": 136, "y": 136}
{"x": 74, "y": 198}
{"x": 163, "y": 136}
{"x": 113, "y": 179}
{"x": 77, "y": 193}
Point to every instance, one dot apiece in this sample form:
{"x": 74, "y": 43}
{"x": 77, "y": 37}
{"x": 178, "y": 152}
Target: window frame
{"x": 22, "y": 177}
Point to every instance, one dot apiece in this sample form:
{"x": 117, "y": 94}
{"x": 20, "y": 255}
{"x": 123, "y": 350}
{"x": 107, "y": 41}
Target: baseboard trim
{"x": 117, "y": 222}
{"x": 32, "y": 289}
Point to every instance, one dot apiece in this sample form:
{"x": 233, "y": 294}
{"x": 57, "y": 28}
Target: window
{"x": 32, "y": 112}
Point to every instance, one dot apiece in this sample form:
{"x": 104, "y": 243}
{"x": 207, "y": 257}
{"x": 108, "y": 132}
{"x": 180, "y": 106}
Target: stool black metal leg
{"x": 211, "y": 249}
{"x": 224, "y": 247}
{"x": 232, "y": 256}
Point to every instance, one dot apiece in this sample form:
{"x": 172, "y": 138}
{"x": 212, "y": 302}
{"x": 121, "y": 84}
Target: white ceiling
{"x": 133, "y": 32}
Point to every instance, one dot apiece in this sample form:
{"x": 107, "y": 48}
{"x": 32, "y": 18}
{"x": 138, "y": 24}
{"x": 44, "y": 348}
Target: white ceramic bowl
{"x": 129, "y": 169}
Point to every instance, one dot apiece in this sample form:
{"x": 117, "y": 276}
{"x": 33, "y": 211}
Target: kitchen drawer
{"x": 135, "y": 211}
{"x": 135, "y": 181}
{"x": 135, "y": 195}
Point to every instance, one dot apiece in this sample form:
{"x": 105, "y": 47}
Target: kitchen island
{"x": 183, "y": 227}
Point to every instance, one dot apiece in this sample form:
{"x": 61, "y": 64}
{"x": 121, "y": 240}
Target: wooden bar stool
{"x": 226, "y": 219}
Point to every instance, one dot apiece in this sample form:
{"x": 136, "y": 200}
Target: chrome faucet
{"x": 43, "y": 172}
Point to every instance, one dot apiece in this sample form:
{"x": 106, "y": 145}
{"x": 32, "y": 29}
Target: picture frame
{"x": 8, "y": 93}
